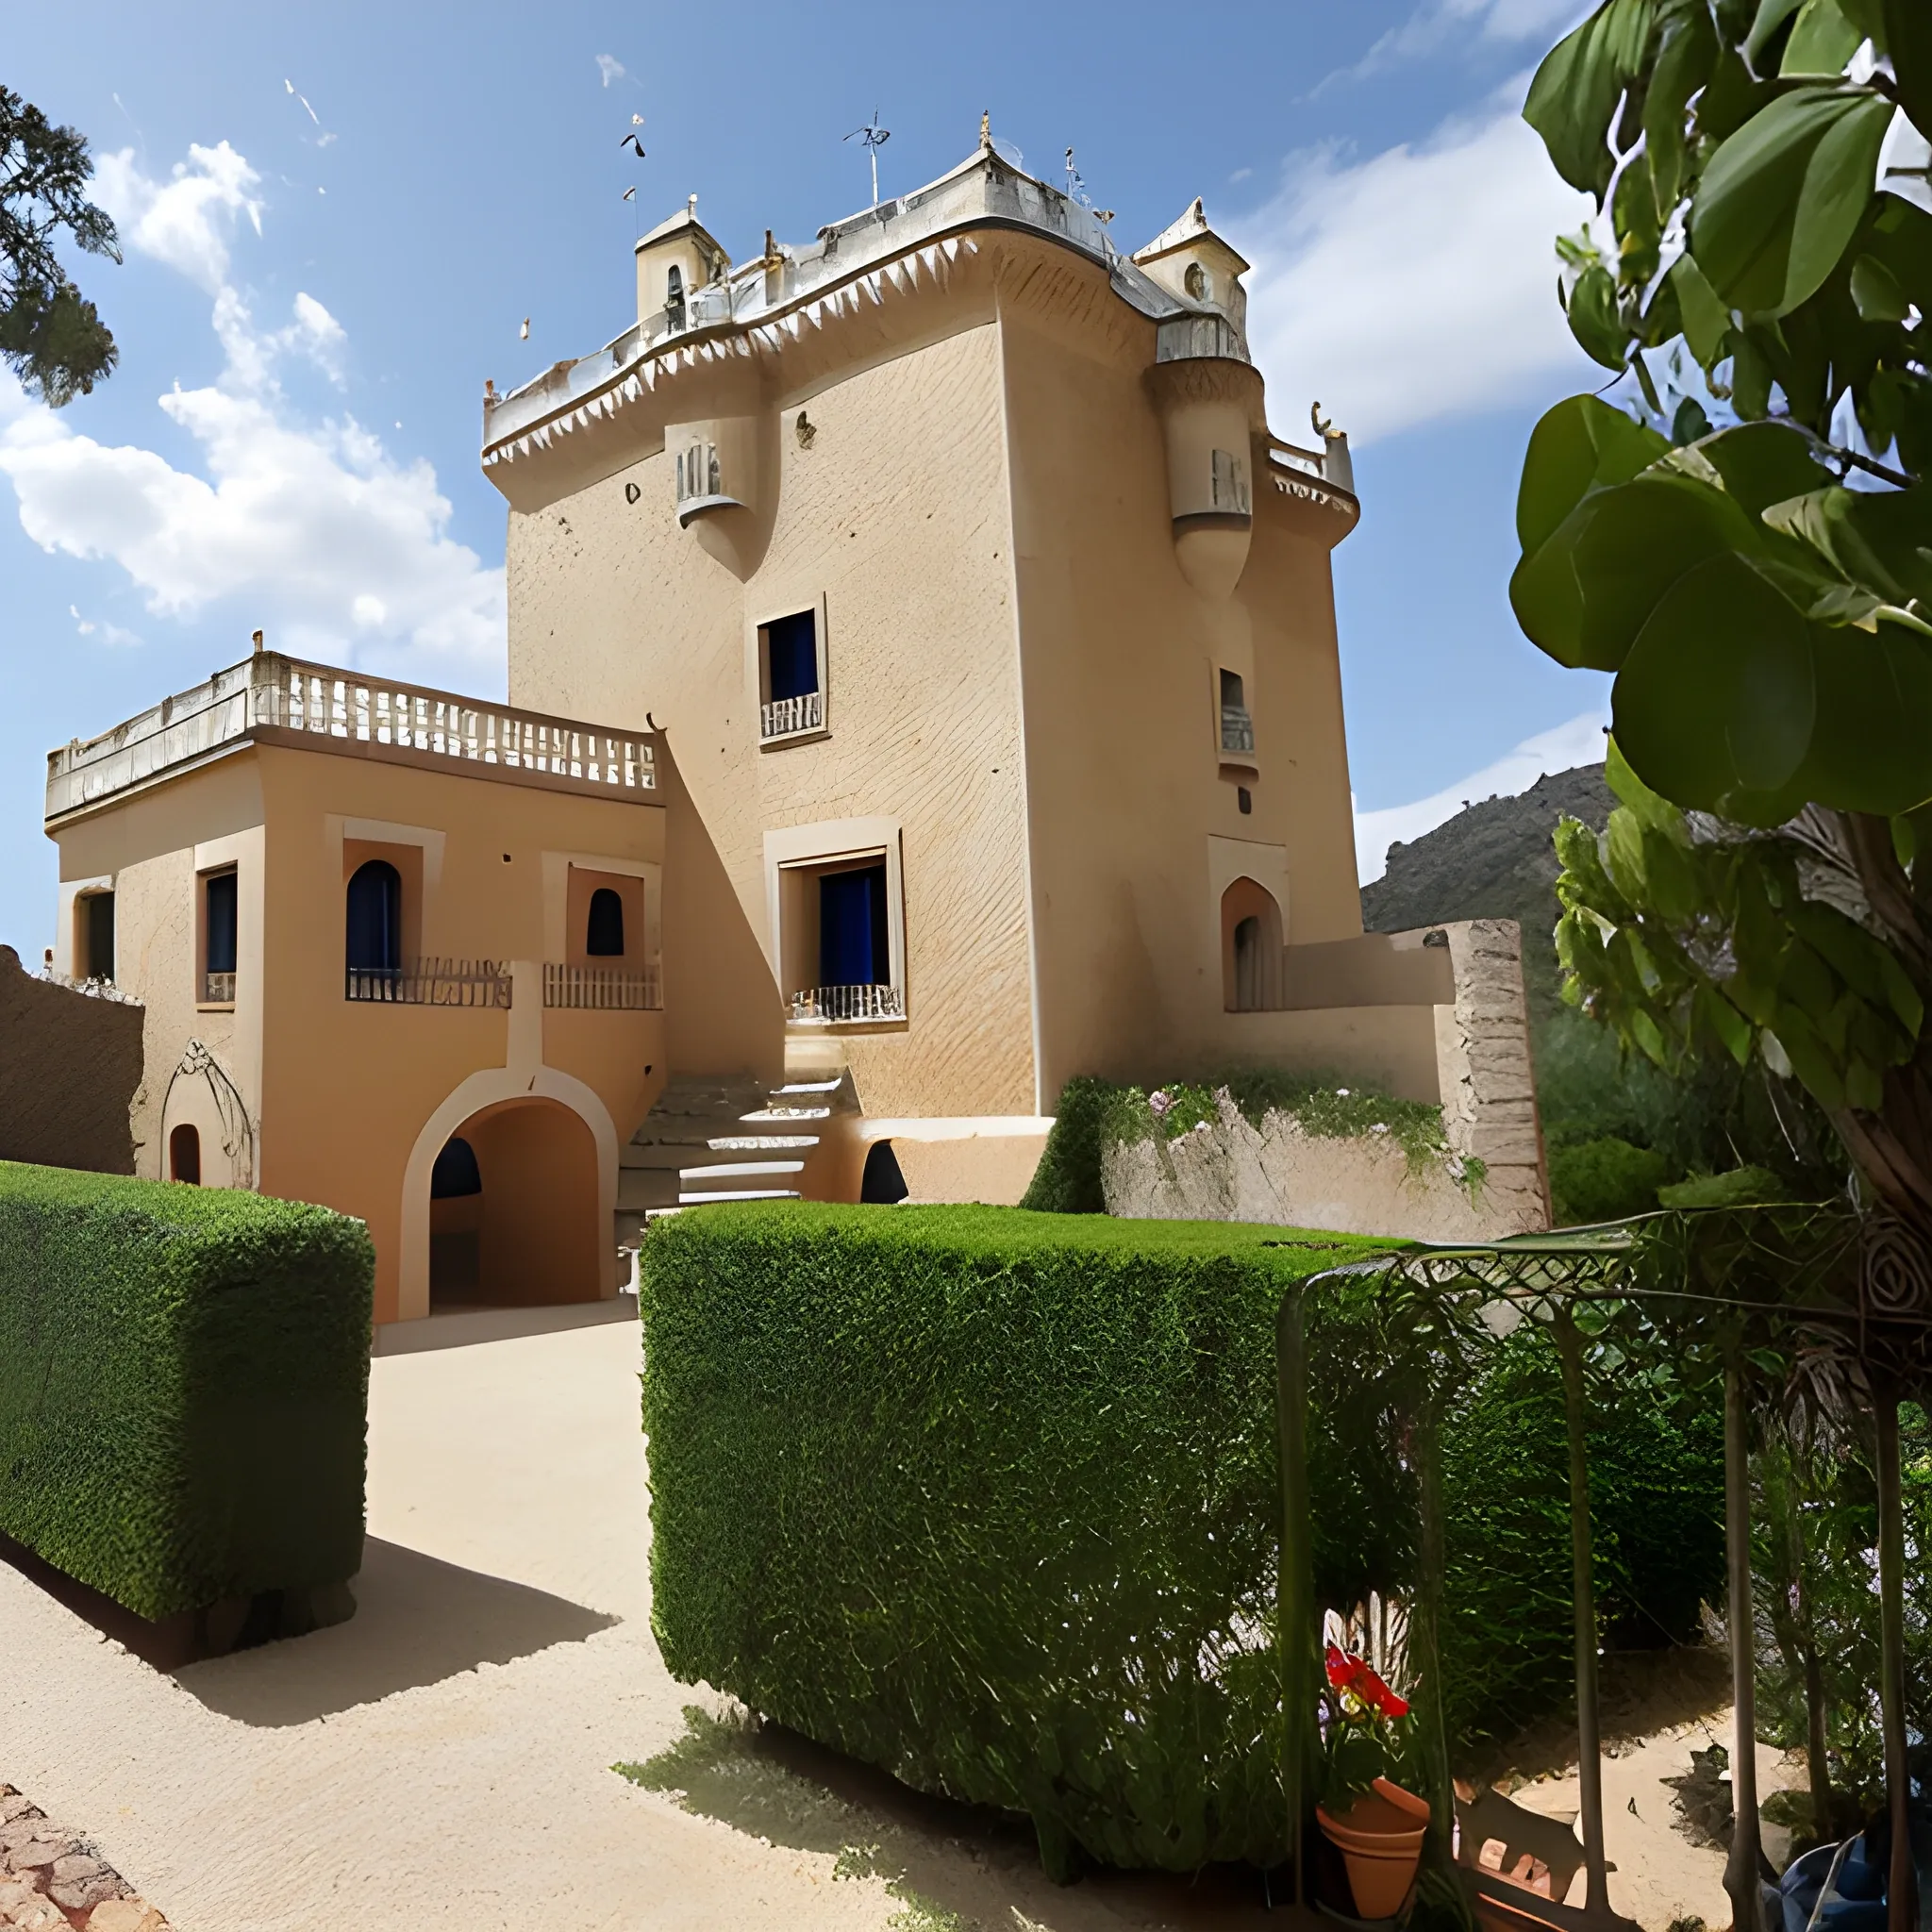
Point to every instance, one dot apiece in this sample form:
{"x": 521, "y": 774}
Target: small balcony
{"x": 430, "y": 983}
{"x": 602, "y": 988}
{"x": 1237, "y": 731}
{"x": 788, "y": 717}
{"x": 835, "y": 1005}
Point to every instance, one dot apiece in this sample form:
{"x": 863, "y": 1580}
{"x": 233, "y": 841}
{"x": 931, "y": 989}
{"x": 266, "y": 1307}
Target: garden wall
{"x": 69, "y": 1062}
{"x": 1270, "y": 1168}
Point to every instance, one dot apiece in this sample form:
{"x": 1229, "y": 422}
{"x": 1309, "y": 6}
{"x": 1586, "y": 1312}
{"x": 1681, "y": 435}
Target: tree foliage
{"x": 1746, "y": 544}
{"x": 1765, "y": 612}
{"x": 51, "y": 336}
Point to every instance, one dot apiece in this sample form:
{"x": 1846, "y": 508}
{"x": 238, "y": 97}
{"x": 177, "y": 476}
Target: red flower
{"x": 1354, "y": 1675}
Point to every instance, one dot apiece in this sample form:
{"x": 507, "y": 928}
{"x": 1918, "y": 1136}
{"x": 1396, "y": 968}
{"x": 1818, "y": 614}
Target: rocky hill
{"x": 1494, "y": 861}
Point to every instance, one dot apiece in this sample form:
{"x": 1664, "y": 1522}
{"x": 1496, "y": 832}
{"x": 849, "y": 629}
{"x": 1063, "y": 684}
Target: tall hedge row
{"x": 987, "y": 1498}
{"x": 183, "y": 1386}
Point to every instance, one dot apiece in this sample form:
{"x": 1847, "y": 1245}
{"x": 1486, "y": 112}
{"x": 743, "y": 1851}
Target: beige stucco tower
{"x": 994, "y": 633}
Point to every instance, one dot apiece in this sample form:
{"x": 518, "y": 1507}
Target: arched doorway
{"x": 513, "y": 1209}
{"x": 1251, "y": 945}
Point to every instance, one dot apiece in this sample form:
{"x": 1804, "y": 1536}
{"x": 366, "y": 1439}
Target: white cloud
{"x": 312, "y": 529}
{"x": 1578, "y": 742}
{"x": 186, "y": 221}
{"x": 92, "y": 627}
{"x": 1439, "y": 24}
{"x": 610, "y": 68}
{"x": 1417, "y": 284}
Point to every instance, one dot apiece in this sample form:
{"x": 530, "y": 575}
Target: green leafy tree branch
{"x": 1746, "y": 544}
{"x": 51, "y": 336}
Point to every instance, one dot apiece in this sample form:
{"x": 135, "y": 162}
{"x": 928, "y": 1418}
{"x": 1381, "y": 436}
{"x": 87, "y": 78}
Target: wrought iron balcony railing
{"x": 830, "y": 1005}
{"x": 431, "y": 983}
{"x": 602, "y": 988}
{"x": 783, "y": 717}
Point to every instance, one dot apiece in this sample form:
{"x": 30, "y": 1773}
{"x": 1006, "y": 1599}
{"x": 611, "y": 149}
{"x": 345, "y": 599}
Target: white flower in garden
{"x": 1380, "y": 1128}
{"x": 1160, "y": 1103}
{"x": 1342, "y": 1093}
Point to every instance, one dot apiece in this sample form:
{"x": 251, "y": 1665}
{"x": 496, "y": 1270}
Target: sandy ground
{"x": 444, "y": 1760}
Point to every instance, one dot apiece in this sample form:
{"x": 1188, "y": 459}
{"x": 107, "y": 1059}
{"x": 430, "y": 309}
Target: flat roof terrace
{"x": 270, "y": 699}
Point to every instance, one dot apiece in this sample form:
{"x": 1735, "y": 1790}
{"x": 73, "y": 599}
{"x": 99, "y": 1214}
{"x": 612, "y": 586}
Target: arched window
{"x": 604, "y": 932}
{"x": 376, "y": 924}
{"x": 184, "y": 1156}
{"x": 674, "y": 286}
{"x": 456, "y": 1172}
{"x": 1196, "y": 282}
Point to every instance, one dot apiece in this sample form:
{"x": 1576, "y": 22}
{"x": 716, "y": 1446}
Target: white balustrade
{"x": 285, "y": 694}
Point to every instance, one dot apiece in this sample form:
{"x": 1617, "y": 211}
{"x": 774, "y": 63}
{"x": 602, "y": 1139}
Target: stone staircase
{"x": 732, "y": 1139}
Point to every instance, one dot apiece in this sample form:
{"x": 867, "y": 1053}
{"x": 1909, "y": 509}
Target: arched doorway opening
{"x": 1251, "y": 941}
{"x": 513, "y": 1209}
{"x": 184, "y": 1155}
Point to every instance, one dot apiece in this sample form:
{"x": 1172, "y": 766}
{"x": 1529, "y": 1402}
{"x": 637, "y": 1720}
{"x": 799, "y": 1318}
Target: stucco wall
{"x": 69, "y": 1067}
{"x": 893, "y": 512}
{"x": 333, "y": 1096}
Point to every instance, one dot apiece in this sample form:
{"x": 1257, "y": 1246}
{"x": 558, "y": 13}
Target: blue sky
{"x": 335, "y": 220}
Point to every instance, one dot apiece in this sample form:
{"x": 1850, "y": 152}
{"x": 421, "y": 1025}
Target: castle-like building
{"x": 964, "y": 640}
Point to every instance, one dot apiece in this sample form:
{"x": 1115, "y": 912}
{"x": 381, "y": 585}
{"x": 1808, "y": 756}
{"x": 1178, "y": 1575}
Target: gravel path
{"x": 443, "y": 1758}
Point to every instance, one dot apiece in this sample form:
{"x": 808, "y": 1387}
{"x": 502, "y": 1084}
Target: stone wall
{"x": 1487, "y": 1081}
{"x": 1231, "y": 1170}
{"x": 70, "y": 1066}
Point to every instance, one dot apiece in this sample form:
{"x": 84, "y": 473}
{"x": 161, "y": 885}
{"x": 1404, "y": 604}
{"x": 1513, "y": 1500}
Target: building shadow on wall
{"x": 418, "y": 1621}
{"x": 949, "y": 1863}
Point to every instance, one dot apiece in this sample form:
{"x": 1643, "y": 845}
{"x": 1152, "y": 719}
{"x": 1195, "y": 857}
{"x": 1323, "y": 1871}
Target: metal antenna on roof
{"x": 873, "y": 137}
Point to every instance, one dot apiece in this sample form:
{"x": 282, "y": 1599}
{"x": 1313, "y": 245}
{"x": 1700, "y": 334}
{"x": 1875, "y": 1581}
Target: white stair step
{"x": 725, "y": 1169}
{"x": 693, "y": 1198}
{"x": 761, "y": 1143}
{"x": 809, "y": 1086}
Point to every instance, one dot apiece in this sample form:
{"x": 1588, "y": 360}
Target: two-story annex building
{"x": 993, "y": 631}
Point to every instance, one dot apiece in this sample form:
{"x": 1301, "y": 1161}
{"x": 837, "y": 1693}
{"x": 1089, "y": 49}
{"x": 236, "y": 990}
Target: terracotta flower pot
{"x": 1380, "y": 1839}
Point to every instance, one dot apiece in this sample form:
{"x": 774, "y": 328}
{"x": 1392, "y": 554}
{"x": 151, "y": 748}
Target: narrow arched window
{"x": 456, "y": 1172}
{"x": 184, "y": 1156}
{"x": 604, "y": 932}
{"x": 375, "y": 920}
{"x": 1196, "y": 282}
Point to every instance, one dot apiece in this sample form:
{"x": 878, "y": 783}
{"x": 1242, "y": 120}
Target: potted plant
{"x": 1374, "y": 1823}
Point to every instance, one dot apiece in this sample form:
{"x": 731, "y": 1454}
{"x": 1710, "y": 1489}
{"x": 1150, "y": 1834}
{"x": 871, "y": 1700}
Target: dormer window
{"x": 1196, "y": 282}
{"x": 1229, "y": 485}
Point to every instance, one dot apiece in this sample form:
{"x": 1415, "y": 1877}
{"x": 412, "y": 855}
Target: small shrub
{"x": 183, "y": 1386}
{"x": 1604, "y": 1179}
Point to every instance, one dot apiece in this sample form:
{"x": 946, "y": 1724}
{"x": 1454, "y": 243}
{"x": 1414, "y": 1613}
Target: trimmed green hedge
{"x": 184, "y": 1377}
{"x": 987, "y": 1498}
